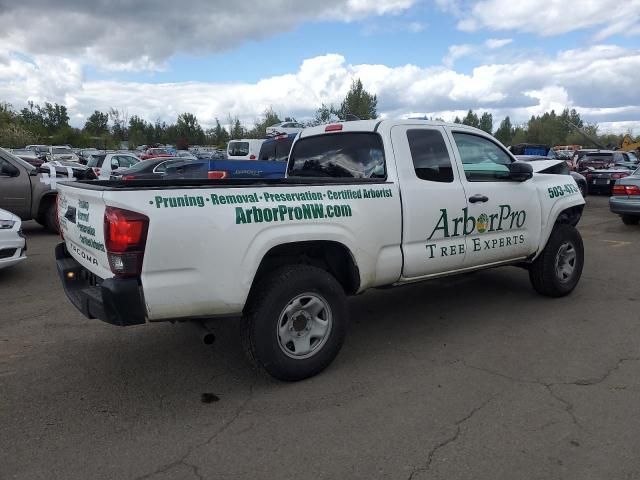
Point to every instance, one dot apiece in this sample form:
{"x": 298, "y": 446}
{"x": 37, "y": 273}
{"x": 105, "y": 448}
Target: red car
{"x": 155, "y": 153}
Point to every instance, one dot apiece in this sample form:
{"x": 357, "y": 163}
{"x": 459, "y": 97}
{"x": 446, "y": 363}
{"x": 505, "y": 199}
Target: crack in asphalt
{"x": 183, "y": 459}
{"x": 449, "y": 440}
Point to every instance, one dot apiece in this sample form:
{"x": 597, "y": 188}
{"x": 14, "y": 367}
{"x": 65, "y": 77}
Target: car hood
{"x": 540, "y": 165}
{"x": 4, "y": 215}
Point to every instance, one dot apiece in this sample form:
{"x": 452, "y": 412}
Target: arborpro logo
{"x": 505, "y": 219}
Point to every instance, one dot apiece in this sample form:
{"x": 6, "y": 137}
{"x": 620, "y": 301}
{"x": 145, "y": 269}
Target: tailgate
{"x": 81, "y": 217}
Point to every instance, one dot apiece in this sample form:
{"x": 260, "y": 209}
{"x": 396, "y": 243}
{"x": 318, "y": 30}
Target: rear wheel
{"x": 50, "y": 217}
{"x": 630, "y": 219}
{"x": 557, "y": 270}
{"x": 295, "y": 322}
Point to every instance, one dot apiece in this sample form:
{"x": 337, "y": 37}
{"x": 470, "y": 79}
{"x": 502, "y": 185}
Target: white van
{"x": 244, "y": 149}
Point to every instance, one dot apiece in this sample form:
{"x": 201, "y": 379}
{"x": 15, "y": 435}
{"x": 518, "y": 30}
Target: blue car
{"x": 271, "y": 163}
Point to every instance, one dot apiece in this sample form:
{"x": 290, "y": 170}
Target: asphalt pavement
{"x": 473, "y": 377}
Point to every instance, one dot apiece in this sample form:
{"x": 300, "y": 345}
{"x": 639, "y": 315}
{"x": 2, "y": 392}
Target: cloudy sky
{"x": 158, "y": 58}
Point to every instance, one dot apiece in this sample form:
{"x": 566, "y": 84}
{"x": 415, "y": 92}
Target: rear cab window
{"x": 339, "y": 155}
{"x": 239, "y": 149}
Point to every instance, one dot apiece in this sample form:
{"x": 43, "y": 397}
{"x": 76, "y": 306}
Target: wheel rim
{"x": 566, "y": 262}
{"x": 304, "y": 326}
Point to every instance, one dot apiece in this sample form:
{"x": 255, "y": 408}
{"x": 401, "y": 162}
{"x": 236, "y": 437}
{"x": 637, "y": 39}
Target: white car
{"x": 13, "y": 245}
{"x": 61, "y": 153}
{"x": 103, "y": 164}
{"x": 284, "y": 127}
{"x": 244, "y": 149}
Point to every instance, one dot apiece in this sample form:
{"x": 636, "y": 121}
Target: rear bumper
{"x": 117, "y": 301}
{"x": 624, "y": 206}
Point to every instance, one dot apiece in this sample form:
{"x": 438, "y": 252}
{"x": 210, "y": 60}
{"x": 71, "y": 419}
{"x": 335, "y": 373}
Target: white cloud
{"x": 143, "y": 34}
{"x": 456, "y": 52}
{"x": 519, "y": 89}
{"x": 552, "y": 17}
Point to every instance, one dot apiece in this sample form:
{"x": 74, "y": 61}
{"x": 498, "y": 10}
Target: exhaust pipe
{"x": 204, "y": 332}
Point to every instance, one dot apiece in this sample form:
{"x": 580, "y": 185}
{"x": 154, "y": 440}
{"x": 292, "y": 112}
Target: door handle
{"x": 479, "y": 198}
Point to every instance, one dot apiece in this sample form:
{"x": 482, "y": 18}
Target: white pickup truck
{"x": 365, "y": 204}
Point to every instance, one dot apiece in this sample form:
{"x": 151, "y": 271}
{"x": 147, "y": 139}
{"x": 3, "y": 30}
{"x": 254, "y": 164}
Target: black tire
{"x": 630, "y": 219}
{"x": 544, "y": 276}
{"x": 50, "y": 218}
{"x": 265, "y": 312}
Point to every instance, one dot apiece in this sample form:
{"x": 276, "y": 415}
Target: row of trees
{"x": 50, "y": 124}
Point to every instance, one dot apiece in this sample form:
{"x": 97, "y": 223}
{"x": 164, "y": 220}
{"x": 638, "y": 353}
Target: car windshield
{"x": 61, "y": 150}
{"x": 5, "y": 153}
{"x": 140, "y": 166}
{"x": 157, "y": 151}
{"x": 632, "y": 156}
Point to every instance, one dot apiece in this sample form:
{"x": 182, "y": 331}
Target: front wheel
{"x": 630, "y": 219}
{"x": 557, "y": 270}
{"x": 295, "y": 322}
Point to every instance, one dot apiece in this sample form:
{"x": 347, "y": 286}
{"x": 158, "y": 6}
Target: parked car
{"x": 104, "y": 165}
{"x": 211, "y": 155}
{"x": 154, "y": 168}
{"x": 61, "y": 152}
{"x": 186, "y": 154}
{"x": 602, "y": 180}
{"x": 28, "y": 192}
{"x": 277, "y": 148}
{"x": 558, "y": 167}
{"x": 13, "y": 245}
{"x": 29, "y": 156}
{"x": 85, "y": 153}
{"x": 600, "y": 159}
{"x": 155, "y": 153}
{"x": 244, "y": 149}
{"x": 284, "y": 128}
{"x": 625, "y": 199}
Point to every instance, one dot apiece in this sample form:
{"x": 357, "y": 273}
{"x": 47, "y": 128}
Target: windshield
{"x": 157, "y": 151}
{"x": 18, "y": 160}
{"x": 632, "y": 156}
{"x": 61, "y": 150}
{"x": 142, "y": 165}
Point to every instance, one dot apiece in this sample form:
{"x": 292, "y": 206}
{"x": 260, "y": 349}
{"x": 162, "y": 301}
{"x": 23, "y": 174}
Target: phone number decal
{"x": 562, "y": 190}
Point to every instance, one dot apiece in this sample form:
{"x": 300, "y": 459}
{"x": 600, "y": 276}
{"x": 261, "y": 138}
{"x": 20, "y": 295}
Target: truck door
{"x": 432, "y": 194}
{"x": 15, "y": 188}
{"x": 503, "y": 218}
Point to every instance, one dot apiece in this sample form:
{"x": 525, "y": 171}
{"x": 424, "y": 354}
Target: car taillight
{"x": 616, "y": 176}
{"x": 336, "y": 127}
{"x": 125, "y": 236}
{"x": 588, "y": 176}
{"x": 216, "y": 175}
{"x": 127, "y": 177}
{"x": 252, "y": 157}
{"x": 626, "y": 190}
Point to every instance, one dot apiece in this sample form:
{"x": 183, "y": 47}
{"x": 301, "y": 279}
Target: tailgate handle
{"x": 479, "y": 198}
{"x": 71, "y": 214}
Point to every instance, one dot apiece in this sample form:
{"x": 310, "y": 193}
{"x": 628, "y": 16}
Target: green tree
{"x": 359, "y": 102}
{"x": 189, "y": 130}
{"x": 471, "y": 119}
{"x": 269, "y": 117}
{"x": 457, "y": 120}
{"x": 505, "y": 132}
{"x": 324, "y": 114}
{"x": 486, "y": 122}
{"x": 97, "y": 123}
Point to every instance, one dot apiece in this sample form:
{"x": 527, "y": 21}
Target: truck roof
{"x": 375, "y": 125}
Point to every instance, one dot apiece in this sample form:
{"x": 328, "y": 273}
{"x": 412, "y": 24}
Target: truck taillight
{"x": 125, "y": 237}
{"x": 626, "y": 190}
{"x": 216, "y": 175}
{"x": 252, "y": 157}
{"x": 336, "y": 127}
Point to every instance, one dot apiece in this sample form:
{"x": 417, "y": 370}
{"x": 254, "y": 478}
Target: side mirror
{"x": 520, "y": 171}
{"x": 9, "y": 170}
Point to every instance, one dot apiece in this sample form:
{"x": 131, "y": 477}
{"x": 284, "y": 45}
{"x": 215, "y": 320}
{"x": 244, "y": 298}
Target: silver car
{"x": 625, "y": 199}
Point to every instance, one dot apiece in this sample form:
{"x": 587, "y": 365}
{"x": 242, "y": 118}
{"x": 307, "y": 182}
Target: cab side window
{"x": 430, "y": 156}
{"x": 482, "y": 160}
